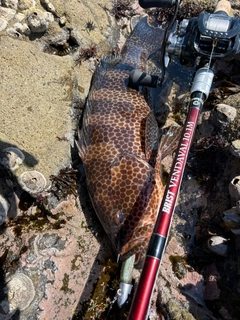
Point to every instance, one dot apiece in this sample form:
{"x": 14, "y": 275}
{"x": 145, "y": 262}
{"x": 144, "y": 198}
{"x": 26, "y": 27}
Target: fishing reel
{"x": 208, "y": 36}
{"x": 198, "y": 37}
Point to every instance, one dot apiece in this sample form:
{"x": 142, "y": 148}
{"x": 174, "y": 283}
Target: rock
{"x": 231, "y": 220}
{"x": 12, "y": 32}
{"x": 48, "y": 6}
{"x": 22, "y": 28}
{"x": 223, "y": 115}
{"x": 235, "y": 148}
{"x": 39, "y": 113}
{"x": 38, "y": 21}
{"x": 12, "y": 4}
{"x": 212, "y": 276}
{"x": 218, "y": 245}
{"x": 234, "y": 189}
{"x": 7, "y": 13}
{"x": 238, "y": 207}
{"x": 11, "y": 158}
{"x": 4, "y": 207}
{"x": 3, "y": 24}
{"x": 26, "y": 4}
{"x": 62, "y": 20}
{"x": 54, "y": 35}
{"x": 19, "y": 16}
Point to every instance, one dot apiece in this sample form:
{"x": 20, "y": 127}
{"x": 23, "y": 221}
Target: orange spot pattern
{"x": 124, "y": 188}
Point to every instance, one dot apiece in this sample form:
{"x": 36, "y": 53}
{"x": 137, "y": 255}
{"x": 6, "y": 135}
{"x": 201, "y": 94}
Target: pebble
{"x": 33, "y": 181}
{"x": 235, "y": 148}
{"x": 11, "y": 158}
{"x": 48, "y": 6}
{"x": 38, "y": 21}
{"x": 4, "y": 207}
{"x": 22, "y": 28}
{"x": 218, "y": 245}
{"x": 3, "y": 24}
{"x": 7, "y": 13}
{"x": 62, "y": 20}
{"x": 12, "y": 4}
{"x": 12, "y": 32}
{"x": 223, "y": 115}
{"x": 231, "y": 220}
{"x": 238, "y": 207}
{"x": 234, "y": 189}
{"x": 20, "y": 16}
{"x": 26, "y": 4}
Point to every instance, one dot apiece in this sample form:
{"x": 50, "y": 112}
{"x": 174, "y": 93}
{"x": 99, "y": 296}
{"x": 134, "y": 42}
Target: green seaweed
{"x": 84, "y": 226}
{"x": 178, "y": 266}
{"x": 65, "y": 287}
{"x": 38, "y": 222}
{"x": 100, "y": 298}
{"x": 73, "y": 263}
{"x": 102, "y": 295}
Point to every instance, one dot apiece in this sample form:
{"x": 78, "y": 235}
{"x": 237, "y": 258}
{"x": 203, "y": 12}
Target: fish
{"x": 118, "y": 142}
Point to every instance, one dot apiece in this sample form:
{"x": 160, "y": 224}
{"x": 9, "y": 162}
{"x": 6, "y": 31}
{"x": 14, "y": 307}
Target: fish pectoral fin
{"x": 169, "y": 140}
{"x": 129, "y": 170}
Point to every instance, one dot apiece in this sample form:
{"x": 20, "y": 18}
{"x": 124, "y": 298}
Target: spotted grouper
{"x": 119, "y": 145}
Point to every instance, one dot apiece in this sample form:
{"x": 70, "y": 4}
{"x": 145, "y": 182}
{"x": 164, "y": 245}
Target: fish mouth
{"x": 137, "y": 247}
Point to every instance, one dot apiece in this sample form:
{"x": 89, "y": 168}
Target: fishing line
{"x": 166, "y": 34}
{"x": 211, "y": 54}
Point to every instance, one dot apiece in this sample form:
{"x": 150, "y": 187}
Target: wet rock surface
{"x": 55, "y": 260}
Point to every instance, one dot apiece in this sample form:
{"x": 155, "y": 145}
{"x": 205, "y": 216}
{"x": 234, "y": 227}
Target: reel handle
{"x": 223, "y": 5}
{"x": 138, "y": 78}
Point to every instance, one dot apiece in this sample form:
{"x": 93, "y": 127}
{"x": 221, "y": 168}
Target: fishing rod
{"x": 206, "y": 38}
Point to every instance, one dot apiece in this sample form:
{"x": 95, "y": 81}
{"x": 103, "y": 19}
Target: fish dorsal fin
{"x": 151, "y": 135}
{"x": 169, "y": 140}
{"x": 104, "y": 65}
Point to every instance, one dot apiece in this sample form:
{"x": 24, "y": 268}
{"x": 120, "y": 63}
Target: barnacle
{"x": 33, "y": 181}
{"x": 62, "y": 48}
{"x": 20, "y": 291}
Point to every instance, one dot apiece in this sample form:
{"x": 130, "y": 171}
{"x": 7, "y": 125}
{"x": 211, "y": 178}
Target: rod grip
{"x": 223, "y": 5}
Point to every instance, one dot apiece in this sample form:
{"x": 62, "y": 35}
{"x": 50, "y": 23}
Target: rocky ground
{"x": 55, "y": 259}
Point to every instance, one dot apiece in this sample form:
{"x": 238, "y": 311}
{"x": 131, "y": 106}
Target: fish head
{"x": 136, "y": 191}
